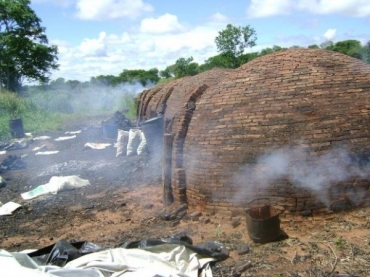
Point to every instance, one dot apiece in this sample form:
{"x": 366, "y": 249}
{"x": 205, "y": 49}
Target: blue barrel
{"x": 153, "y": 132}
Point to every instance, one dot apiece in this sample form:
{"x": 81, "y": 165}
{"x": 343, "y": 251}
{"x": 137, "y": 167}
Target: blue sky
{"x": 103, "y": 37}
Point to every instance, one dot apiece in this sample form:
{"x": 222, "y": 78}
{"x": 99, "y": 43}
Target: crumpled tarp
{"x": 13, "y": 145}
{"x": 12, "y": 162}
{"x": 56, "y": 184}
{"x": 173, "y": 256}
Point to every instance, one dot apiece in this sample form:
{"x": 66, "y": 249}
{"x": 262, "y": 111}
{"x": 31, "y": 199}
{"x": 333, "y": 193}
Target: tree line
{"x": 25, "y": 54}
{"x": 187, "y": 67}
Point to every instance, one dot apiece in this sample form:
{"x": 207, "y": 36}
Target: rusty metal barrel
{"x": 263, "y": 224}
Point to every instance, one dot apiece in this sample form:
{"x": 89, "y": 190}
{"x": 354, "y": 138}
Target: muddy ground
{"x": 124, "y": 203}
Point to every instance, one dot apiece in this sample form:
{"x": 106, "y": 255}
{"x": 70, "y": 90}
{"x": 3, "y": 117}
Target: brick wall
{"x": 301, "y": 100}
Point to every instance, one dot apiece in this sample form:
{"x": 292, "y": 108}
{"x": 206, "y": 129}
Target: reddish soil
{"x": 124, "y": 203}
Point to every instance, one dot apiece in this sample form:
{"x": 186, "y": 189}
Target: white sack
{"x": 122, "y": 141}
{"x": 142, "y": 146}
{"x": 133, "y": 141}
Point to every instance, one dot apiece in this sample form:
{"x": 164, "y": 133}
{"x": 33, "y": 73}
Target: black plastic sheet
{"x": 12, "y": 162}
{"x": 212, "y": 249}
{"x": 62, "y": 252}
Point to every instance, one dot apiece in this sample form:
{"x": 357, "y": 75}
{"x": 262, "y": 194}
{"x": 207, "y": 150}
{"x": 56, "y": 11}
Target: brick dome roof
{"x": 306, "y": 98}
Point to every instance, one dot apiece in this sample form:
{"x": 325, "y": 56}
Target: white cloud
{"x": 109, "y": 54}
{"x": 219, "y": 17}
{"x": 111, "y": 9}
{"x": 356, "y": 8}
{"x": 259, "y": 8}
{"x": 164, "y": 24}
{"x": 330, "y": 34}
{"x": 64, "y": 3}
{"x": 94, "y": 47}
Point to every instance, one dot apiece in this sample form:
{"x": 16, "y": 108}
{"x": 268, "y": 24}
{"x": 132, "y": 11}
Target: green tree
{"x": 104, "y": 80}
{"x": 231, "y": 42}
{"x": 58, "y": 84}
{"x": 349, "y": 47}
{"x": 247, "y": 57}
{"x": 168, "y": 72}
{"x": 144, "y": 77}
{"x": 313, "y": 46}
{"x": 212, "y": 62}
{"x": 72, "y": 84}
{"x": 185, "y": 67}
{"x": 327, "y": 45}
{"x": 269, "y": 50}
{"x": 366, "y": 49}
{"x": 24, "y": 49}
{"x": 235, "y": 39}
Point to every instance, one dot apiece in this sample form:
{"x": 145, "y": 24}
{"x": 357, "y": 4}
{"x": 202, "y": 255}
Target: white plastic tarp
{"x": 162, "y": 260}
{"x": 41, "y": 138}
{"x": 56, "y": 183}
{"x": 46, "y": 153}
{"x": 39, "y": 147}
{"x": 97, "y": 146}
{"x": 72, "y": 132}
{"x": 8, "y": 208}
{"x": 65, "y": 138}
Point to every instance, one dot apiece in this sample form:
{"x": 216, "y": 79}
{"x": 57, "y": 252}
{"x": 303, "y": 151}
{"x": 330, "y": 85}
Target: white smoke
{"x": 102, "y": 97}
{"x": 300, "y": 168}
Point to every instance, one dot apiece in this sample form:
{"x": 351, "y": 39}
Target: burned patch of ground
{"x": 124, "y": 203}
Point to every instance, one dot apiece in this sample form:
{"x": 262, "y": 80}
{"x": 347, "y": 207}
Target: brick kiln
{"x": 291, "y": 127}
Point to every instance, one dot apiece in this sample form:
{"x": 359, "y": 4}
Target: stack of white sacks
{"x": 130, "y": 143}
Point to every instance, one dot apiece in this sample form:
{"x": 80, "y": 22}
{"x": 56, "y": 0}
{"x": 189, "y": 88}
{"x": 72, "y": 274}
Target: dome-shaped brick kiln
{"x": 290, "y": 127}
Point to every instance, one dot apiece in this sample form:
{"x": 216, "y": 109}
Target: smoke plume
{"x": 302, "y": 169}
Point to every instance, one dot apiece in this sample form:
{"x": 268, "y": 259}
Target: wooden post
{"x": 167, "y": 169}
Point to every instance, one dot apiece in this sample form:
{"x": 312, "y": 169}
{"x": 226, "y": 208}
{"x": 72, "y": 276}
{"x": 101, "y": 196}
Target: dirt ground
{"x": 124, "y": 203}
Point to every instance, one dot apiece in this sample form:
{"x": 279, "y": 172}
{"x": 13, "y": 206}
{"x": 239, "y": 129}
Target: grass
{"x": 48, "y": 111}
